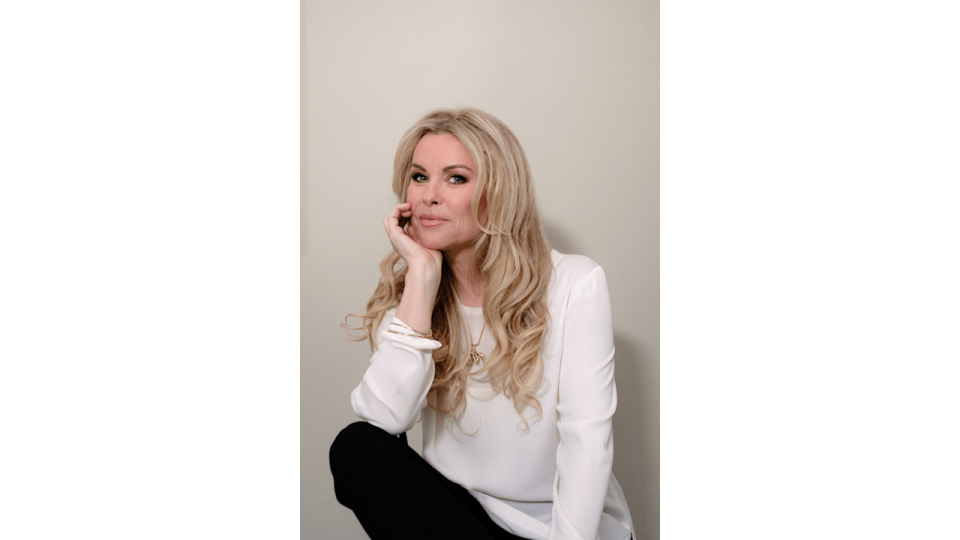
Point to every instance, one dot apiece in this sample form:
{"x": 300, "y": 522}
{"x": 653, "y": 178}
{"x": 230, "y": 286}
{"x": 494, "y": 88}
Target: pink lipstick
{"x": 430, "y": 220}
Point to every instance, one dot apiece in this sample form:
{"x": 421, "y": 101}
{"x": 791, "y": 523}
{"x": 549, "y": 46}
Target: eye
{"x": 457, "y": 179}
{"x": 417, "y": 177}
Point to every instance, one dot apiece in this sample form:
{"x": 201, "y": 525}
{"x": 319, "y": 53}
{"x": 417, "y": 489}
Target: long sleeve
{"x": 587, "y": 398}
{"x": 394, "y": 388}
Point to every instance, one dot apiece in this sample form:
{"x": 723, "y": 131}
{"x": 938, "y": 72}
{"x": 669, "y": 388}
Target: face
{"x": 443, "y": 179}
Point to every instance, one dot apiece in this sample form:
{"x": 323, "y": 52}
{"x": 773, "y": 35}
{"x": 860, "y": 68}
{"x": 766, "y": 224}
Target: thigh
{"x": 395, "y": 493}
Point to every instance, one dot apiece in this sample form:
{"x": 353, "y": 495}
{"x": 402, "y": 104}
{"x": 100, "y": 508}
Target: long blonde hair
{"x": 512, "y": 255}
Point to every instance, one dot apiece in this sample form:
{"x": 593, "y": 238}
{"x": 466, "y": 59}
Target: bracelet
{"x": 411, "y": 335}
{"x": 417, "y": 332}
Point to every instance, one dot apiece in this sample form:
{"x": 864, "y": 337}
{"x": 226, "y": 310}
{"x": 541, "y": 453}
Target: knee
{"x": 353, "y": 446}
{"x": 357, "y": 459}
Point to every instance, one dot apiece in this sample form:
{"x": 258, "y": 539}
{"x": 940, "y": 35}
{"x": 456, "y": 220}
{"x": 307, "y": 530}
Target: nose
{"x": 431, "y": 193}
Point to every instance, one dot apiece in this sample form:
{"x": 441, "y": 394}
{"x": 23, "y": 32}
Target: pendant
{"x": 476, "y": 358}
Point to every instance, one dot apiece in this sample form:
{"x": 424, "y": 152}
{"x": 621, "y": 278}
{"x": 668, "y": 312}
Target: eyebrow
{"x": 445, "y": 169}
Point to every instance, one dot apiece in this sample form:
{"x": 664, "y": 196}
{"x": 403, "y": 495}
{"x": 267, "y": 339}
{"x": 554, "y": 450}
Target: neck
{"x": 470, "y": 284}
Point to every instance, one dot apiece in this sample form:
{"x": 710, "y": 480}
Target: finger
{"x": 394, "y": 217}
{"x": 398, "y": 211}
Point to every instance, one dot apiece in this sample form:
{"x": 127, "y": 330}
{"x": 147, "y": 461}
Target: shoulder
{"x": 572, "y": 269}
{"x": 575, "y": 274}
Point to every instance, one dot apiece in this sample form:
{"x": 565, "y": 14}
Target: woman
{"x": 502, "y": 347}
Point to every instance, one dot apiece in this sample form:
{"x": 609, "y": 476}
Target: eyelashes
{"x": 454, "y": 178}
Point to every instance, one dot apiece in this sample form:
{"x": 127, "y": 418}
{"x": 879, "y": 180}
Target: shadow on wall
{"x": 558, "y": 240}
{"x": 629, "y": 461}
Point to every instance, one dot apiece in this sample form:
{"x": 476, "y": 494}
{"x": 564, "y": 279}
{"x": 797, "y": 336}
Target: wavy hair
{"x": 512, "y": 255}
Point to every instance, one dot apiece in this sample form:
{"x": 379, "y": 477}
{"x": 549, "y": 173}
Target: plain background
{"x": 578, "y": 83}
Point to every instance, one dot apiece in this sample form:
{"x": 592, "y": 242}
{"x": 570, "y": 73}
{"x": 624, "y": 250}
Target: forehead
{"x": 442, "y": 149}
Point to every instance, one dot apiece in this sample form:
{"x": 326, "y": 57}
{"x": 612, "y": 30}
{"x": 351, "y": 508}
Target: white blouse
{"x": 553, "y": 482}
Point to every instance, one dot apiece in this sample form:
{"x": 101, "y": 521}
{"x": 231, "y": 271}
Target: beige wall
{"x": 578, "y": 82}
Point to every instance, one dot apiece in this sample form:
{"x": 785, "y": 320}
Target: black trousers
{"x": 395, "y": 493}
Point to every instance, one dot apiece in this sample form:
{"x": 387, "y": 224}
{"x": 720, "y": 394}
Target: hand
{"x": 408, "y": 246}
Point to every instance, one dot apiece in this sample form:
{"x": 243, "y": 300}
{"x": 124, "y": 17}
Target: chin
{"x": 438, "y": 246}
{"x": 431, "y": 241}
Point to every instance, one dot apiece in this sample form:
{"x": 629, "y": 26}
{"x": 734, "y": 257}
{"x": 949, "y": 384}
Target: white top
{"x": 553, "y": 482}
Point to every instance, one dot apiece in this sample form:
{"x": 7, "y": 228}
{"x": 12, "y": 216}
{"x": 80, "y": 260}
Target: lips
{"x": 430, "y": 220}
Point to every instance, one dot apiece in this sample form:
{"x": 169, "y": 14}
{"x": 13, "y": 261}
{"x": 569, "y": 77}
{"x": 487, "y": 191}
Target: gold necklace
{"x": 477, "y": 357}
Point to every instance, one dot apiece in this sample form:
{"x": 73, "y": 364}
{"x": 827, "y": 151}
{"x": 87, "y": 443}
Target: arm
{"x": 586, "y": 402}
{"x": 393, "y": 390}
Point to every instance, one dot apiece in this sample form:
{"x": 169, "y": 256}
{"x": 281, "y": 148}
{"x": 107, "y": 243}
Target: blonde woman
{"x": 500, "y": 346}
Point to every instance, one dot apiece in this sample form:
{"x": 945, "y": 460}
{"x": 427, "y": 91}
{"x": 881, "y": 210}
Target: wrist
{"x": 424, "y": 276}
